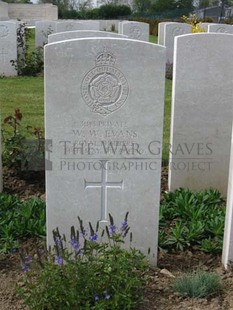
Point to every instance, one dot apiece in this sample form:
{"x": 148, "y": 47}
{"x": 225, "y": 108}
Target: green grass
{"x": 31, "y": 41}
{"x": 26, "y": 94}
{"x": 153, "y": 39}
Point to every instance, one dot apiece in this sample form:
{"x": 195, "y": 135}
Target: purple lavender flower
{"x": 25, "y": 267}
{"x": 27, "y": 260}
{"x": 107, "y": 296}
{"x": 84, "y": 233}
{"x": 96, "y": 297}
{"x": 58, "y": 242}
{"x": 76, "y": 246}
{"x": 123, "y": 225}
{"x": 112, "y": 229}
{"x": 94, "y": 237}
{"x": 59, "y": 260}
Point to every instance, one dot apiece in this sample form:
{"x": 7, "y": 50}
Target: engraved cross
{"x": 104, "y": 185}
{"x": 2, "y": 53}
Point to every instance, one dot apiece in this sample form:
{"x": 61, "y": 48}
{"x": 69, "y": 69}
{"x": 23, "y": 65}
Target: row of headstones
{"x": 8, "y": 36}
{"x": 167, "y": 31}
{"x": 106, "y": 150}
{"x": 133, "y": 30}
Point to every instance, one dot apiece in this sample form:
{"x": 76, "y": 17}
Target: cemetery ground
{"x": 27, "y": 94}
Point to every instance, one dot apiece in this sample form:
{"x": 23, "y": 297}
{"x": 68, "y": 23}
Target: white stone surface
{"x": 161, "y": 34}
{"x": 171, "y": 30}
{"x": 69, "y": 35}
{"x": 8, "y": 48}
{"x": 3, "y": 11}
{"x": 135, "y": 30}
{"x": 220, "y": 28}
{"x": 25, "y": 11}
{"x": 201, "y": 112}
{"x": 43, "y": 29}
{"x": 97, "y": 96}
{"x": 204, "y": 26}
{"x": 75, "y": 25}
{"x": 227, "y": 255}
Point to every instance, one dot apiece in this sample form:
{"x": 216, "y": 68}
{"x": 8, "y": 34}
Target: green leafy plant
{"x": 18, "y": 220}
{"x": 201, "y": 284}
{"x": 189, "y": 219}
{"x": 17, "y": 150}
{"x": 28, "y": 62}
{"x": 84, "y": 273}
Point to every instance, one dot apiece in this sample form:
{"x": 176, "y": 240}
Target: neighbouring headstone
{"x": 69, "y": 35}
{"x": 74, "y": 25}
{"x": 161, "y": 26}
{"x": 171, "y": 30}
{"x": 8, "y": 48}
{"x": 43, "y": 29}
{"x": 204, "y": 26}
{"x": 135, "y": 30}
{"x": 220, "y": 28}
{"x": 109, "y": 25}
{"x": 202, "y": 112}
{"x": 104, "y": 118}
{"x": 3, "y": 11}
{"x": 227, "y": 255}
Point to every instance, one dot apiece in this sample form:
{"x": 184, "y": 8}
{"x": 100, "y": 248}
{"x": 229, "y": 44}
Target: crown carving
{"x": 105, "y": 58}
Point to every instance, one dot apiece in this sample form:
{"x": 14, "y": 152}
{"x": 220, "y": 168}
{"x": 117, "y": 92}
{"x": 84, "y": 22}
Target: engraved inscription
{"x": 3, "y": 56}
{"x": 104, "y": 88}
{"x": 103, "y": 185}
{"x": 135, "y": 32}
{"x": 4, "y": 31}
{"x": 221, "y": 30}
{"x": 177, "y": 31}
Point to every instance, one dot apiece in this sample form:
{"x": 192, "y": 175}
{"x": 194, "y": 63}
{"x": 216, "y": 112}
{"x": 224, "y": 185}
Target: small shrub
{"x": 92, "y": 275}
{"x": 17, "y": 150}
{"x": 201, "y": 284}
{"x": 18, "y": 220}
{"x": 27, "y": 63}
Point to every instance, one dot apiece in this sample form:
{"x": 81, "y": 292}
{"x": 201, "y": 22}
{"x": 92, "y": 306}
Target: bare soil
{"x": 158, "y": 293}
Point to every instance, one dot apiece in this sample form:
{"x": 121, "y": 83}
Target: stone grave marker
{"x": 105, "y": 126}
{"x": 171, "y": 30}
{"x": 43, "y": 30}
{"x": 3, "y": 11}
{"x": 74, "y": 25}
{"x": 227, "y": 255}
{"x": 220, "y": 28}
{"x": 8, "y": 48}
{"x": 69, "y": 35}
{"x": 161, "y": 26}
{"x": 201, "y": 112}
{"x": 135, "y": 30}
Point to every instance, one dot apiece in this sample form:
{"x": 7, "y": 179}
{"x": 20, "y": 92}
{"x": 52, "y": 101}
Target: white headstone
{"x": 3, "y": 11}
{"x": 43, "y": 30}
{"x": 104, "y": 115}
{"x": 227, "y": 255}
{"x": 171, "y": 30}
{"x": 161, "y": 39}
{"x": 8, "y": 48}
{"x": 202, "y": 111}
{"x": 135, "y": 30}
{"x": 74, "y": 25}
{"x": 204, "y": 26}
{"x": 220, "y": 28}
{"x": 68, "y": 35}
